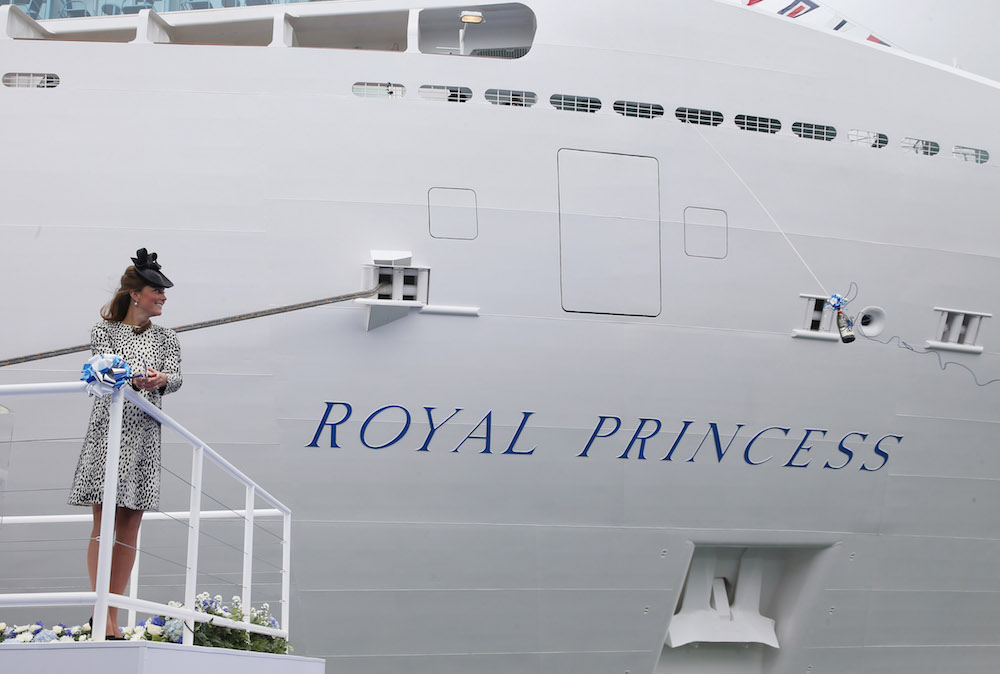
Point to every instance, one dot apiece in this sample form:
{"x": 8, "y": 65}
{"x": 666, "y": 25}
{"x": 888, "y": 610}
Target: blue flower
{"x": 39, "y": 628}
{"x": 173, "y": 630}
{"x": 43, "y": 636}
{"x": 142, "y": 623}
{"x": 158, "y": 620}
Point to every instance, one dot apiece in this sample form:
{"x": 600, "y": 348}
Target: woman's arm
{"x": 100, "y": 340}
{"x": 171, "y": 363}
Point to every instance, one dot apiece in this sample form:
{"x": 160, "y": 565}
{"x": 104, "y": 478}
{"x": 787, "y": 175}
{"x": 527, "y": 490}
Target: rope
{"x": 766, "y": 212}
{"x": 204, "y": 324}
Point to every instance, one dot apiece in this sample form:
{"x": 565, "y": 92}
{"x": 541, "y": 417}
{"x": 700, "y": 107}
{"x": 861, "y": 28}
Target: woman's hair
{"x": 117, "y": 308}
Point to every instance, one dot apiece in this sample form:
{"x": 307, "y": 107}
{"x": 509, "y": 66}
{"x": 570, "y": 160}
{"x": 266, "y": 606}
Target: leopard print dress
{"x": 139, "y": 466}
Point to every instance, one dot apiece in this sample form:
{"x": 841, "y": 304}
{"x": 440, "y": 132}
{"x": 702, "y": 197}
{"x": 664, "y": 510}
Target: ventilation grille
{"x": 31, "y": 80}
{"x": 502, "y": 52}
{"x": 696, "y": 116}
{"x": 814, "y": 131}
{"x": 520, "y": 99}
{"x": 759, "y": 124}
{"x": 575, "y": 103}
{"x": 636, "y": 109}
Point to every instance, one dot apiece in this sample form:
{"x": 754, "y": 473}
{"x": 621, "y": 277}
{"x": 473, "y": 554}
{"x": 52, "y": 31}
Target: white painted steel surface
{"x": 261, "y": 179}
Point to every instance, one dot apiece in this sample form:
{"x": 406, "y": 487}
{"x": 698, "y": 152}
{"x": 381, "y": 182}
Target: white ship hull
{"x": 262, "y": 180}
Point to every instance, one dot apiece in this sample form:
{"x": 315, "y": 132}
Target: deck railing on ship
{"x": 103, "y": 598}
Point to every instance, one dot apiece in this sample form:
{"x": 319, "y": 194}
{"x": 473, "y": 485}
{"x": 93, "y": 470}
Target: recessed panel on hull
{"x": 609, "y": 233}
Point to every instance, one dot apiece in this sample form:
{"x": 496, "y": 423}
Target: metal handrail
{"x": 102, "y": 598}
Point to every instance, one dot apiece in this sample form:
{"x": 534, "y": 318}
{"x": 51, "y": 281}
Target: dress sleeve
{"x": 171, "y": 363}
{"x": 100, "y": 339}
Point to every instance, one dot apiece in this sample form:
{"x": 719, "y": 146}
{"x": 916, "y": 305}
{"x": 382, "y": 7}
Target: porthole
{"x": 378, "y": 90}
{"x": 450, "y": 94}
{"x": 697, "y": 116}
{"x": 870, "y": 138}
{"x": 814, "y": 131}
{"x": 517, "y": 99}
{"x": 636, "y": 109}
{"x": 928, "y": 148}
{"x": 575, "y": 103}
{"x": 31, "y": 80}
{"x": 759, "y": 124}
{"x": 970, "y": 154}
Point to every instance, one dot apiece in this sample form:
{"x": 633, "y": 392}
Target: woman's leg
{"x": 122, "y": 556}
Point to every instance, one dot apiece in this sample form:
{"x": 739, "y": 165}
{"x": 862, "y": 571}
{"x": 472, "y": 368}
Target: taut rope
{"x": 203, "y": 324}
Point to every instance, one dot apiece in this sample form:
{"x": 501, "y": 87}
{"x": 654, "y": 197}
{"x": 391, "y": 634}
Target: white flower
{"x": 58, "y": 629}
{"x": 154, "y": 630}
{"x": 74, "y": 630}
{"x": 175, "y": 604}
{"x": 25, "y": 637}
{"x": 138, "y": 633}
{"x": 65, "y": 637}
{"x": 83, "y": 637}
{"x": 236, "y": 600}
{"x": 3, "y": 626}
{"x": 20, "y": 629}
{"x": 85, "y": 628}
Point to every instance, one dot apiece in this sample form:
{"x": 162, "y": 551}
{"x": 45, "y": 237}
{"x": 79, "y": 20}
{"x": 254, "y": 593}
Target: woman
{"x": 154, "y": 352}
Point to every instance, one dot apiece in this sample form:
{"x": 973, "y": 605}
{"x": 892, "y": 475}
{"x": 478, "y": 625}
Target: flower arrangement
{"x": 164, "y": 629}
{"x": 37, "y": 633}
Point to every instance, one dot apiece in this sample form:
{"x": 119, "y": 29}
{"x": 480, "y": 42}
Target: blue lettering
{"x": 596, "y": 433}
{"x": 677, "y": 441}
{"x": 802, "y": 448}
{"x": 430, "y": 420}
{"x": 746, "y": 452}
{"x": 517, "y": 434}
{"x": 364, "y": 426}
{"x": 488, "y": 420}
{"x": 713, "y": 428}
{"x": 847, "y": 452}
{"x": 333, "y": 426}
{"x": 642, "y": 439}
{"x": 882, "y": 453}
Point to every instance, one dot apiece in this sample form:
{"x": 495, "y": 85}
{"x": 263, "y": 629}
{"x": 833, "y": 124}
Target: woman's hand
{"x": 153, "y": 380}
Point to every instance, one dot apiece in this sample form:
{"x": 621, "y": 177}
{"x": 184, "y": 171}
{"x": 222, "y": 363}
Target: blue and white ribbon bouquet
{"x": 104, "y": 373}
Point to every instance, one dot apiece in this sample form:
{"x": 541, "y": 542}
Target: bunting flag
{"x": 798, "y": 8}
{"x": 811, "y": 13}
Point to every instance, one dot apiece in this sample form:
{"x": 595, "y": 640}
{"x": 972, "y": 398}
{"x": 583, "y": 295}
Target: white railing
{"x": 102, "y": 598}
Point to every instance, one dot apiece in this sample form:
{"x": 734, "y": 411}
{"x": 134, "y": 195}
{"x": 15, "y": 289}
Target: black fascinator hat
{"x": 149, "y": 269}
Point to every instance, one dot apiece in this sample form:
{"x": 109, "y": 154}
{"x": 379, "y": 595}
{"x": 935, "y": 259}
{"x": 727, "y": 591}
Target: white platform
{"x": 147, "y": 657}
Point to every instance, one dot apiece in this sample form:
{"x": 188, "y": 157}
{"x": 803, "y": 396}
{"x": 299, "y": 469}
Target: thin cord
{"x": 209, "y": 496}
{"x": 942, "y": 363}
{"x": 766, "y": 212}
